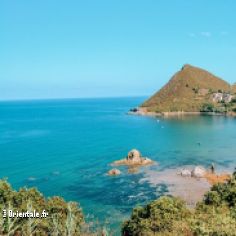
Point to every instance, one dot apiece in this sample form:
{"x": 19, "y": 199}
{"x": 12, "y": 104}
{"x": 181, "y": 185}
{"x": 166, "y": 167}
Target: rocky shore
{"x": 190, "y": 183}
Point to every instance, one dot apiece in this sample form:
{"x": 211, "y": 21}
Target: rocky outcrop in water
{"x": 134, "y": 158}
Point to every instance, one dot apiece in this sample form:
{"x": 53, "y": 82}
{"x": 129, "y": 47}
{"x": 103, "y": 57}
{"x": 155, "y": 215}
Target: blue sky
{"x": 57, "y": 49}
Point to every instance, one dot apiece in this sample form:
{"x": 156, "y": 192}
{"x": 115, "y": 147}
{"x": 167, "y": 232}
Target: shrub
{"x": 157, "y": 217}
{"x": 216, "y": 221}
{"x": 207, "y": 107}
{"x": 233, "y": 100}
{"x": 224, "y": 193}
{"x": 64, "y": 218}
{"x": 196, "y": 90}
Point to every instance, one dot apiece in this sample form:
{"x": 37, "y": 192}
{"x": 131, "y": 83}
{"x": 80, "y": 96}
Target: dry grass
{"x": 233, "y": 88}
{"x": 215, "y": 179}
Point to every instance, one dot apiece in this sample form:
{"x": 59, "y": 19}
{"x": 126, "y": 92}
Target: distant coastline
{"x": 141, "y": 111}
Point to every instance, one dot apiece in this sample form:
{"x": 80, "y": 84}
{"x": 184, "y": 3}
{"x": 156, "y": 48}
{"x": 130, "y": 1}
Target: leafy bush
{"x": 157, "y": 217}
{"x": 207, "y": 107}
{"x": 216, "y": 221}
{"x": 233, "y": 100}
{"x": 196, "y": 90}
{"x": 224, "y": 193}
{"x": 64, "y": 218}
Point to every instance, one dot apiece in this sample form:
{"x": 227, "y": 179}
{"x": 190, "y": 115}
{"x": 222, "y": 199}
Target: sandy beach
{"x": 190, "y": 189}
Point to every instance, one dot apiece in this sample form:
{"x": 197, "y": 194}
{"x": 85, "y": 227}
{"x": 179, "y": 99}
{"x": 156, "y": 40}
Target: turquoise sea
{"x": 64, "y": 147}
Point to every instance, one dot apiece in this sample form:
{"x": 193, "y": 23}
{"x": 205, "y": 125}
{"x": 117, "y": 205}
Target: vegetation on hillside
{"x": 215, "y": 215}
{"x": 220, "y": 107}
{"x": 189, "y": 90}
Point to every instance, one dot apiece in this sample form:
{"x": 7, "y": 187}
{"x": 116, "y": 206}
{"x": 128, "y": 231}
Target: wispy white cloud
{"x": 206, "y": 34}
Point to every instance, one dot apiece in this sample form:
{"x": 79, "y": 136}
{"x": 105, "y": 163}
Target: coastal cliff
{"x": 193, "y": 90}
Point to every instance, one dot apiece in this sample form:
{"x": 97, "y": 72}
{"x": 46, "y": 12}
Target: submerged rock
{"x": 134, "y": 157}
{"x": 114, "y": 172}
{"x": 133, "y": 169}
{"x": 55, "y": 173}
{"x": 134, "y": 109}
{"x": 198, "y": 172}
{"x": 31, "y": 178}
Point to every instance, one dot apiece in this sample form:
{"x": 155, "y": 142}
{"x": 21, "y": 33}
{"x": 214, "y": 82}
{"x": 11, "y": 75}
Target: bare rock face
{"x": 134, "y": 158}
{"x": 198, "y": 172}
{"x": 114, "y": 172}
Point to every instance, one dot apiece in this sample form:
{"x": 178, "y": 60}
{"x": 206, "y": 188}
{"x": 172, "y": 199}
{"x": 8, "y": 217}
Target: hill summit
{"x": 190, "y": 90}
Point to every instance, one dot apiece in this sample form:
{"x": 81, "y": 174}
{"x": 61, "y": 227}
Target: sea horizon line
{"x": 70, "y": 98}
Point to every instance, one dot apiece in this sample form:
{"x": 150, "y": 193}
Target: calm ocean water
{"x": 64, "y": 148}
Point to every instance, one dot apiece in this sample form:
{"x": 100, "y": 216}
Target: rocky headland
{"x": 191, "y": 91}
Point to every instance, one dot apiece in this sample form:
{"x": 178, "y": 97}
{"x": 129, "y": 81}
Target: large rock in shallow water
{"x": 198, "y": 172}
{"x": 134, "y": 158}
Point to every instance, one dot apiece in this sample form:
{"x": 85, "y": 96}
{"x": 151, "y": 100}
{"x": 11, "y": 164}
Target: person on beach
{"x": 212, "y": 168}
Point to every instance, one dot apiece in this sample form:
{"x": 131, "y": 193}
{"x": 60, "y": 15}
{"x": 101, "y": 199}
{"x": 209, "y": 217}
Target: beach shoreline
{"x": 191, "y": 190}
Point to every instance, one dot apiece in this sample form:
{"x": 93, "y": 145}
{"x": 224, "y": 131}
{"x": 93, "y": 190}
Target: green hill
{"x": 188, "y": 90}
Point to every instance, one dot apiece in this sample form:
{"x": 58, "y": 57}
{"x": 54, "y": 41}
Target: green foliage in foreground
{"x": 214, "y": 216}
{"x": 65, "y": 218}
{"x": 160, "y": 216}
{"x": 167, "y": 216}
